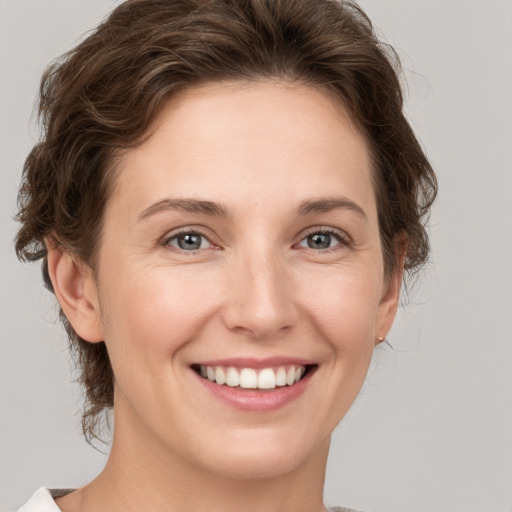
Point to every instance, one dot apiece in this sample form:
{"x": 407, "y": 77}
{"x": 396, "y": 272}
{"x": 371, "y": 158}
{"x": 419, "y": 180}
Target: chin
{"x": 249, "y": 458}
{"x": 256, "y": 467}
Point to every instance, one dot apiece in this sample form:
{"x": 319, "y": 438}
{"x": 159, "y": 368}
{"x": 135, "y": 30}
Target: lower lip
{"x": 256, "y": 400}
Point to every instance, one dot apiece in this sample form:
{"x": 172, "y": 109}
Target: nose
{"x": 260, "y": 299}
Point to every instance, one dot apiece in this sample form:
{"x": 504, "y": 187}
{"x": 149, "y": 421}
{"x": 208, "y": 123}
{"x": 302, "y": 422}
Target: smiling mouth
{"x": 251, "y": 378}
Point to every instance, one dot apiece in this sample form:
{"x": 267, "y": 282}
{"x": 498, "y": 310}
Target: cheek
{"x": 342, "y": 309}
{"x": 344, "y": 304}
{"x": 155, "y": 312}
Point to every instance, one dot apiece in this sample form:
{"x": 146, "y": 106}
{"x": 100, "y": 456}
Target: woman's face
{"x": 242, "y": 236}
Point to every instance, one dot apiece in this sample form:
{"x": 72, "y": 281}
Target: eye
{"x": 188, "y": 241}
{"x": 322, "y": 240}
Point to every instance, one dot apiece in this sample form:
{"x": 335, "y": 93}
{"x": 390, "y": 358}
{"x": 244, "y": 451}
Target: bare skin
{"x": 287, "y": 263}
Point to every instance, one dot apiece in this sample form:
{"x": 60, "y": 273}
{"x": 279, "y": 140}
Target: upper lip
{"x": 256, "y": 363}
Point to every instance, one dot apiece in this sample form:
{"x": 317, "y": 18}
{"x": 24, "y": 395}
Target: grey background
{"x": 432, "y": 429}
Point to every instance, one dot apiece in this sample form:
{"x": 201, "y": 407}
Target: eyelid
{"x": 185, "y": 230}
{"x": 343, "y": 237}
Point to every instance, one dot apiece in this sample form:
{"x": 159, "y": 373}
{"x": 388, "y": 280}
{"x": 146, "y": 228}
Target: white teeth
{"x": 232, "y": 377}
{"x": 220, "y": 376}
{"x": 290, "y": 375}
{"x": 281, "y": 376}
{"x": 267, "y": 379}
{"x": 249, "y": 378}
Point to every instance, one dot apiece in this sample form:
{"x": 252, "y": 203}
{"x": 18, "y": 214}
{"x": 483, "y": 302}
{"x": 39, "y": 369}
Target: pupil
{"x": 319, "y": 241}
{"x": 189, "y": 242}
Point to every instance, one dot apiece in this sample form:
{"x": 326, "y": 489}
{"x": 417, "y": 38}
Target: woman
{"x": 225, "y": 199}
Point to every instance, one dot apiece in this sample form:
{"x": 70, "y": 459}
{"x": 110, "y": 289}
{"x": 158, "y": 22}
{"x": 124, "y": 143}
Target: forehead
{"x": 240, "y": 143}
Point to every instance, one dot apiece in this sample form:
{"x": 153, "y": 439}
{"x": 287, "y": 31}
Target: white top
{"x": 43, "y": 501}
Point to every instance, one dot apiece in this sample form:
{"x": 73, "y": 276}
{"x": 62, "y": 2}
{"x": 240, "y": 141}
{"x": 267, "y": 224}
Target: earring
{"x": 380, "y": 339}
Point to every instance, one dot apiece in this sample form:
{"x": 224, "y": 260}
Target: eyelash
{"x": 186, "y": 231}
{"x": 342, "y": 238}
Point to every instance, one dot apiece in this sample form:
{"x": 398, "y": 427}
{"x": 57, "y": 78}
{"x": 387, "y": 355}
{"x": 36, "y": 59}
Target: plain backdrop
{"x": 432, "y": 428}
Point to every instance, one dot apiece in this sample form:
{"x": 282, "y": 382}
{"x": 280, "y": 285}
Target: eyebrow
{"x": 187, "y": 205}
{"x": 328, "y": 204}
{"x": 307, "y": 207}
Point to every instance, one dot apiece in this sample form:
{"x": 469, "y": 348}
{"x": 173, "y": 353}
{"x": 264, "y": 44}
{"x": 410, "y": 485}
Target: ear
{"x": 388, "y": 305}
{"x": 76, "y": 290}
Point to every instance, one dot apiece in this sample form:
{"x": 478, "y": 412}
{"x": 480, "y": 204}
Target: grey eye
{"x": 320, "y": 241}
{"x": 189, "y": 241}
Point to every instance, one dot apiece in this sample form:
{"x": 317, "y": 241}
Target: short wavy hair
{"x": 102, "y": 96}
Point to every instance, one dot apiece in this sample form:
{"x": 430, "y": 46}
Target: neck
{"x": 141, "y": 474}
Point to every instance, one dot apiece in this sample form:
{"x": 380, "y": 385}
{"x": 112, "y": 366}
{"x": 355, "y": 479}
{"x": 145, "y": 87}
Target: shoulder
{"x": 43, "y": 500}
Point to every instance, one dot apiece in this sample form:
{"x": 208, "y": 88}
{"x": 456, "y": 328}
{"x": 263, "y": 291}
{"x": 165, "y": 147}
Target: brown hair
{"x": 102, "y": 96}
